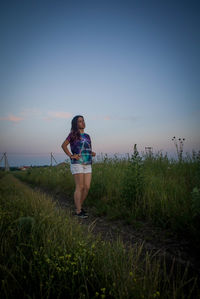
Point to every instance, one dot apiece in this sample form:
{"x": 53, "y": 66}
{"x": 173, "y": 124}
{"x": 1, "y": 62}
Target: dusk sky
{"x": 131, "y": 68}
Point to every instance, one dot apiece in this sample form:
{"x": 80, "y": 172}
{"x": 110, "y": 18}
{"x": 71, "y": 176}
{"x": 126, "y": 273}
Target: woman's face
{"x": 81, "y": 123}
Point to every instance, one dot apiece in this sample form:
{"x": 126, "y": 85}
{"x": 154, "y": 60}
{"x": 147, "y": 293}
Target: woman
{"x": 81, "y": 161}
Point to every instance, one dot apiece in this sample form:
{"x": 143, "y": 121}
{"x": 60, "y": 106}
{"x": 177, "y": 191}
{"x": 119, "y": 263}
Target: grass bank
{"x": 45, "y": 253}
{"x": 153, "y": 188}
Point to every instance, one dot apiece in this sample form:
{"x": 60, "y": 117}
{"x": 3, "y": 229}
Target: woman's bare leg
{"x": 79, "y": 181}
{"x": 86, "y": 185}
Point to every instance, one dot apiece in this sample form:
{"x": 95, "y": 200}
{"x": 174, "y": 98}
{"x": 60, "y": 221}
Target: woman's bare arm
{"x": 65, "y": 149}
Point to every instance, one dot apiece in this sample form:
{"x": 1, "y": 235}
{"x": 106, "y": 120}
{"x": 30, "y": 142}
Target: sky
{"x": 131, "y": 68}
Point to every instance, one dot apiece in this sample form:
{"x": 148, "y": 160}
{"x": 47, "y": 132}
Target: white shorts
{"x": 80, "y": 168}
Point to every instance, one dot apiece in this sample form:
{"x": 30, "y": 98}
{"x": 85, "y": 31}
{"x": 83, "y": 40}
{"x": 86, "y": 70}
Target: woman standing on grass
{"x": 81, "y": 161}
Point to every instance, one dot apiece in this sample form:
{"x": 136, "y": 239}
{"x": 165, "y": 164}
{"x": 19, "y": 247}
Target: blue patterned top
{"x": 81, "y": 146}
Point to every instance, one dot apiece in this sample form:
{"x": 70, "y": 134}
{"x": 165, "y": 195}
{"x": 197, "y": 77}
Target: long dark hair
{"x": 75, "y": 133}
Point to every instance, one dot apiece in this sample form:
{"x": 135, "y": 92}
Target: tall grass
{"x": 150, "y": 187}
{"x": 44, "y": 253}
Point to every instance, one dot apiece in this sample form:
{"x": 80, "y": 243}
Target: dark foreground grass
{"x": 45, "y": 253}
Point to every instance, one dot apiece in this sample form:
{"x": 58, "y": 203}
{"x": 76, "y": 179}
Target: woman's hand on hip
{"x": 93, "y": 154}
{"x": 76, "y": 156}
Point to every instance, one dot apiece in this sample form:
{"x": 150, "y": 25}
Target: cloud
{"x": 30, "y": 112}
{"x": 25, "y": 113}
{"x": 57, "y": 114}
{"x": 112, "y": 117}
{"x": 12, "y": 118}
{"x": 107, "y": 117}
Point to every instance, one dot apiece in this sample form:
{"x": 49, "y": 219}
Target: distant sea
{"x": 19, "y": 160}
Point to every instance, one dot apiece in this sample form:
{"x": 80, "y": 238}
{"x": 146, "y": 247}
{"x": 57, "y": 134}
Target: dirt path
{"x": 161, "y": 242}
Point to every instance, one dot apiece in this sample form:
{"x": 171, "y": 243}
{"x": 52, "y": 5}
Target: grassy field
{"x": 45, "y": 253}
{"x": 152, "y": 188}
